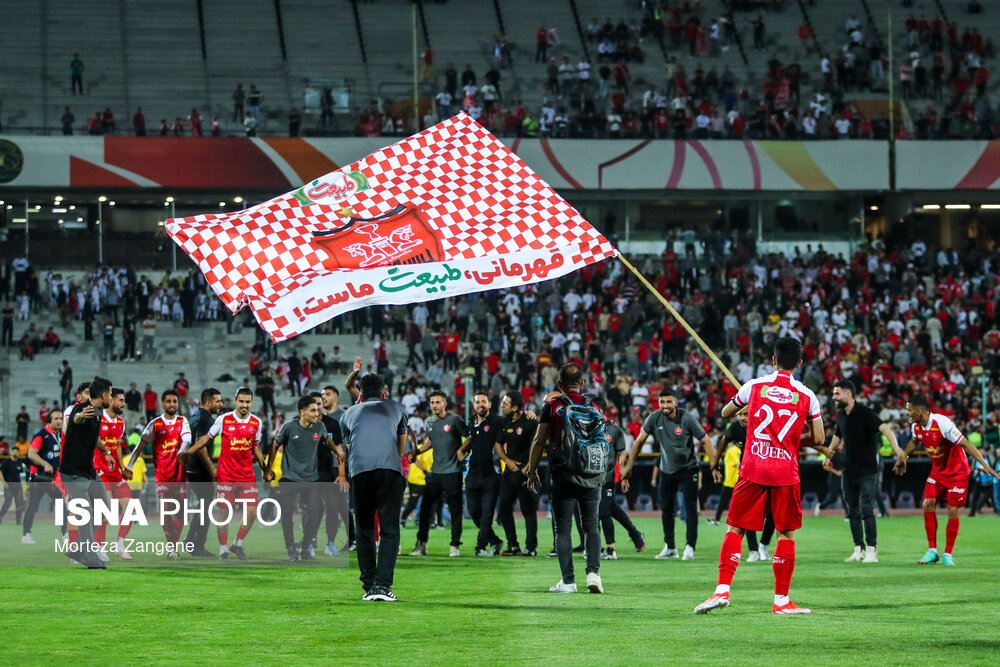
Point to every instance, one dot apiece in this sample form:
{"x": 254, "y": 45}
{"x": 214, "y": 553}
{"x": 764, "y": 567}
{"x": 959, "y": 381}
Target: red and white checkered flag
{"x": 445, "y": 212}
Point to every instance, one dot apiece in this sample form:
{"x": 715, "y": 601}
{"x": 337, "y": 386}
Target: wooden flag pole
{"x": 677, "y": 316}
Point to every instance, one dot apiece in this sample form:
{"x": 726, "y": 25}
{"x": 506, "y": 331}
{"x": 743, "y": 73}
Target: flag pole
{"x": 677, "y": 316}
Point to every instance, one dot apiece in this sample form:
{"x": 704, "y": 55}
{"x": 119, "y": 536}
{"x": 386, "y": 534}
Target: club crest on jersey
{"x": 447, "y": 427}
{"x": 779, "y": 394}
{"x": 330, "y": 189}
{"x": 315, "y": 436}
{"x": 678, "y": 430}
{"x": 401, "y": 236}
{"x": 487, "y": 428}
{"x": 520, "y": 430}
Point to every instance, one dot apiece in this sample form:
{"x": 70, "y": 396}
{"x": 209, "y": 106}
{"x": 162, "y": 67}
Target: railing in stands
{"x": 812, "y": 31}
{"x": 281, "y": 30}
{"x": 357, "y": 29}
{"x": 499, "y": 12}
{"x": 872, "y": 26}
{"x": 201, "y": 30}
{"x": 579, "y": 28}
{"x": 423, "y": 24}
{"x": 944, "y": 14}
{"x": 736, "y": 35}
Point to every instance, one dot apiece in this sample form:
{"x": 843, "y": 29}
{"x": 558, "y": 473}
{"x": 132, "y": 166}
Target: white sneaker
{"x": 855, "y": 557}
{"x": 27, "y": 539}
{"x": 688, "y": 552}
{"x": 420, "y": 549}
{"x": 871, "y": 555}
{"x": 754, "y": 557}
{"x": 563, "y": 588}
{"x": 122, "y": 551}
{"x": 764, "y": 554}
{"x": 594, "y": 584}
{"x": 667, "y": 553}
{"x": 102, "y": 555}
{"x": 816, "y": 510}
{"x": 454, "y": 552}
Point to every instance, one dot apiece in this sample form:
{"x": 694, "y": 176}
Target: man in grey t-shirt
{"x": 446, "y": 434}
{"x": 298, "y": 441}
{"x": 375, "y": 429}
{"x": 678, "y": 435}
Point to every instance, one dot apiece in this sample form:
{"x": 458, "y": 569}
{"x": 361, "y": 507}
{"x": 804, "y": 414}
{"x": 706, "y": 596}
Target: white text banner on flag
{"x": 450, "y": 195}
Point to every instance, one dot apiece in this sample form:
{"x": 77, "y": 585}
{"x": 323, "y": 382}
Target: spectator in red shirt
{"x": 451, "y": 342}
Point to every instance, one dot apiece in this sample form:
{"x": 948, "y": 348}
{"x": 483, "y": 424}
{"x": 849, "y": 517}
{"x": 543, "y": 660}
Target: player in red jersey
{"x": 949, "y": 476}
{"x": 234, "y": 479}
{"x": 779, "y": 405}
{"x": 170, "y": 434}
{"x": 114, "y": 475}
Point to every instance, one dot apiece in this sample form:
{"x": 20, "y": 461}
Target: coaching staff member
{"x": 678, "y": 435}
{"x": 375, "y": 429}
{"x": 200, "y": 469}
{"x": 77, "y": 466}
{"x": 859, "y": 430}
{"x": 566, "y": 488}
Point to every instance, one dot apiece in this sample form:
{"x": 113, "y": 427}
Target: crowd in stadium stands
{"x": 894, "y": 320}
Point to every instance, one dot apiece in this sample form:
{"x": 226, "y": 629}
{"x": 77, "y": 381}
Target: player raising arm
{"x": 949, "y": 476}
{"x": 779, "y": 406}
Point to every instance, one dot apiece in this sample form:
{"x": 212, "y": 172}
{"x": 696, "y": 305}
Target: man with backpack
{"x": 579, "y": 448}
{"x": 677, "y": 433}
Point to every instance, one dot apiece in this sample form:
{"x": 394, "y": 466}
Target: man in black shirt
{"x": 482, "y": 485}
{"x": 860, "y": 430}
{"x": 23, "y": 421}
{"x": 514, "y": 446}
{"x": 200, "y": 469}
{"x": 77, "y": 466}
{"x": 133, "y": 407}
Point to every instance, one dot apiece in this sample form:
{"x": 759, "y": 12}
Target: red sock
{"x": 729, "y": 557}
{"x": 242, "y": 532}
{"x": 223, "y": 537}
{"x": 783, "y": 564}
{"x": 101, "y": 533}
{"x": 123, "y": 530}
{"x": 930, "y": 525}
{"x": 376, "y": 528}
{"x": 950, "y": 534}
{"x": 73, "y": 534}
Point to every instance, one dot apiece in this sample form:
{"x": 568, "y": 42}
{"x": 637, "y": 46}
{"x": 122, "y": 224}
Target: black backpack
{"x": 585, "y": 447}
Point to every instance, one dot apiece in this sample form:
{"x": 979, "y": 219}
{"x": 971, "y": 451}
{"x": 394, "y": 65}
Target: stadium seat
{"x": 621, "y": 501}
{"x": 712, "y": 502}
{"x": 645, "y": 503}
{"x": 906, "y": 500}
{"x": 809, "y": 500}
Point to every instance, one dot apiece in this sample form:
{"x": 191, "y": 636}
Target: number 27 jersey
{"x": 779, "y": 407}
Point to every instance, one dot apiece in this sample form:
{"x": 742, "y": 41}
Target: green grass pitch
{"x": 459, "y": 611}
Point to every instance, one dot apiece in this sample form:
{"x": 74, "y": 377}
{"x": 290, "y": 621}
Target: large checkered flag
{"x": 447, "y": 211}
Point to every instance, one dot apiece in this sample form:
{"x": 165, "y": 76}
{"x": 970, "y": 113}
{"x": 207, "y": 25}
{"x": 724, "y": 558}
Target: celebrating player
{"x": 170, "y": 434}
{"x": 769, "y": 474}
{"x": 949, "y": 476}
{"x": 234, "y": 481}
{"x": 114, "y": 476}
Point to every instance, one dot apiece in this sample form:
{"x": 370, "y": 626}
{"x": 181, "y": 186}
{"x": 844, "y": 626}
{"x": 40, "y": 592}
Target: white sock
{"x": 237, "y": 542}
{"x": 223, "y": 549}
{"x": 721, "y": 588}
{"x": 780, "y": 600}
{"x": 934, "y": 549}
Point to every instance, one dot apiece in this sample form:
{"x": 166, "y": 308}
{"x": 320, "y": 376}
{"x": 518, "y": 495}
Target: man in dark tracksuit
{"x": 44, "y": 453}
{"x": 514, "y": 447}
{"x": 482, "y": 485}
{"x": 609, "y": 511}
{"x": 200, "y": 469}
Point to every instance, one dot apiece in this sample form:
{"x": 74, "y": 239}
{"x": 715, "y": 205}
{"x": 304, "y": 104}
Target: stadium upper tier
{"x": 172, "y": 56}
